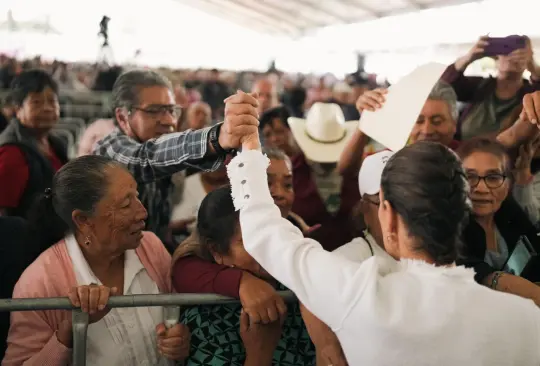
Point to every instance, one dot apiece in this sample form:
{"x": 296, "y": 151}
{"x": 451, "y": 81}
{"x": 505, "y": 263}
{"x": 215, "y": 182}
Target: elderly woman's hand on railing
{"x": 173, "y": 343}
{"x": 91, "y": 299}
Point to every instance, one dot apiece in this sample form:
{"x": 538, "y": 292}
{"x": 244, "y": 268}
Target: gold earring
{"x": 87, "y": 241}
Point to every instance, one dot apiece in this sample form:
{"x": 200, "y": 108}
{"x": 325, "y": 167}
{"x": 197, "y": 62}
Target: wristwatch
{"x": 213, "y": 139}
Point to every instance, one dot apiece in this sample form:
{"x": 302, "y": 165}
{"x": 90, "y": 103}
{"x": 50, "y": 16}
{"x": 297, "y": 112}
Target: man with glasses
{"x": 146, "y": 116}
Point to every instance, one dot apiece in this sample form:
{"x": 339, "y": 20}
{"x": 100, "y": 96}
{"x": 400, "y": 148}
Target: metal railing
{"x": 80, "y": 319}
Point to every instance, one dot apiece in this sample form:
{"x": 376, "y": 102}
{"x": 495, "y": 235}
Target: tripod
{"x": 105, "y": 55}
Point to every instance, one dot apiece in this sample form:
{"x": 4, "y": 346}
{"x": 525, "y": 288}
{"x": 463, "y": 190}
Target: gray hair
{"x": 444, "y": 91}
{"x": 276, "y": 154}
{"x": 126, "y": 89}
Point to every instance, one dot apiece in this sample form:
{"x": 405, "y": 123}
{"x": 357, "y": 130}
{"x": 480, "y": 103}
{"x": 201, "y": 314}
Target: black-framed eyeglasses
{"x": 158, "y": 110}
{"x": 494, "y": 180}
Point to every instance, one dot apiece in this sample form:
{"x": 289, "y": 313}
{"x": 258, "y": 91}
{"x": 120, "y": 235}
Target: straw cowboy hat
{"x": 322, "y": 136}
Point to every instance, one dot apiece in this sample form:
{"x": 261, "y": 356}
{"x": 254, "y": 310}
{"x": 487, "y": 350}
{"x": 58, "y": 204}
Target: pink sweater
{"x": 32, "y": 339}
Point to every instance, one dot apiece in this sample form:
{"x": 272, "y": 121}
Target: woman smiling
{"x": 106, "y": 252}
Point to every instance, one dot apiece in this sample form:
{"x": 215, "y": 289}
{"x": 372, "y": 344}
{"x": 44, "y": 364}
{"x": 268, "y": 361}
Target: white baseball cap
{"x": 369, "y": 178}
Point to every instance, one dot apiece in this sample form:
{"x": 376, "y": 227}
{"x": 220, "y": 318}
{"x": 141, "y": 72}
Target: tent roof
{"x": 294, "y": 18}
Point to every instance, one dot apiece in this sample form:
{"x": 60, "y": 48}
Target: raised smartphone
{"x": 504, "y": 45}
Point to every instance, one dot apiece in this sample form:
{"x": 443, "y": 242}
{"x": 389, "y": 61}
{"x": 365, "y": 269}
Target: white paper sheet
{"x": 392, "y": 124}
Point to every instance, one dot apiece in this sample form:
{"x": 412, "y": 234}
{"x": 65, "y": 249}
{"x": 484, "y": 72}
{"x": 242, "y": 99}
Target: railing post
{"x": 80, "y": 328}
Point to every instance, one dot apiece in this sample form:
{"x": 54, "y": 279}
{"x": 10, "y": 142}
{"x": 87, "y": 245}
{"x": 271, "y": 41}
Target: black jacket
{"x": 40, "y": 169}
{"x": 512, "y": 222}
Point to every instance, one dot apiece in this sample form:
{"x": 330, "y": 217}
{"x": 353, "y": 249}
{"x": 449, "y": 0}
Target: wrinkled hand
{"x": 522, "y": 167}
{"x": 531, "y": 108}
{"x": 260, "y": 340}
{"x": 260, "y": 300}
{"x": 475, "y": 53}
{"x": 241, "y": 120}
{"x": 92, "y": 300}
{"x": 371, "y": 100}
{"x": 173, "y": 343}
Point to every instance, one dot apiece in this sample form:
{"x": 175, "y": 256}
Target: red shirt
{"x": 336, "y": 229}
{"x": 192, "y": 274}
{"x": 14, "y": 174}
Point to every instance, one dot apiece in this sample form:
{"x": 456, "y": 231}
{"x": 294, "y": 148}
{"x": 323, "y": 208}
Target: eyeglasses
{"x": 492, "y": 181}
{"x": 158, "y": 110}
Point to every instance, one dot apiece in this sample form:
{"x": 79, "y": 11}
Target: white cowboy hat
{"x": 322, "y": 136}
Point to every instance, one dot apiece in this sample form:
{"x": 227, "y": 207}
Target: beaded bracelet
{"x": 495, "y": 279}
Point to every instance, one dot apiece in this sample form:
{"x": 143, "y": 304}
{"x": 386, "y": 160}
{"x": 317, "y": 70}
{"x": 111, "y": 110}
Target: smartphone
{"x": 520, "y": 257}
{"x": 504, "y": 45}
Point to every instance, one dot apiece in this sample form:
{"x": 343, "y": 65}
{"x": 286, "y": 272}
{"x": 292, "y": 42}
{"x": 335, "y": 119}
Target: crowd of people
{"x": 426, "y": 255}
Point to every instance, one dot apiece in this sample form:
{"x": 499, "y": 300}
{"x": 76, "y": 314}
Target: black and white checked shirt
{"x": 153, "y": 162}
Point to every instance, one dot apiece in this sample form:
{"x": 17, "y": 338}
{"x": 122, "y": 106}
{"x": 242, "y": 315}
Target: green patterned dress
{"x": 216, "y": 341}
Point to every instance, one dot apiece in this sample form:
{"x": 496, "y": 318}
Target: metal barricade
{"x": 80, "y": 319}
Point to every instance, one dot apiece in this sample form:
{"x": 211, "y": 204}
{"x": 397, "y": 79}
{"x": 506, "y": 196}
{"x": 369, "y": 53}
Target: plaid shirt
{"x": 153, "y": 162}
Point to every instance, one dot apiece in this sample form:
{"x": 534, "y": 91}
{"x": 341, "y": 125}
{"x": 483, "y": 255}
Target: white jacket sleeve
{"x": 327, "y": 284}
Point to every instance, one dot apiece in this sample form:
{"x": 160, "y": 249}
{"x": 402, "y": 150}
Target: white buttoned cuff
{"x": 249, "y": 182}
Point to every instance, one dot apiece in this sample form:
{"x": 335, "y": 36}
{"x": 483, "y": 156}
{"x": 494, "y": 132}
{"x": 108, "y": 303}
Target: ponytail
{"x": 46, "y": 226}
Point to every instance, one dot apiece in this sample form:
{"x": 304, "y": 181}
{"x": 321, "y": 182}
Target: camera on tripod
{"x": 104, "y": 30}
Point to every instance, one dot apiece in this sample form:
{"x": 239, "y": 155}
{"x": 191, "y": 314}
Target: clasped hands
{"x": 241, "y": 125}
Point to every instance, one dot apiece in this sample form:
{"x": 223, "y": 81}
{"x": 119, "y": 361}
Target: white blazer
{"x": 385, "y": 312}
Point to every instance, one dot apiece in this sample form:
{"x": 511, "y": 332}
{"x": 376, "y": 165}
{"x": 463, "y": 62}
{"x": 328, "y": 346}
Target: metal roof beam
{"x": 235, "y": 6}
{"x": 325, "y": 11}
{"x": 278, "y": 12}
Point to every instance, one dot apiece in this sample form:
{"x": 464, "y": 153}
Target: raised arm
{"x": 164, "y": 156}
{"x": 350, "y": 160}
{"x": 317, "y": 277}
{"x": 465, "y": 86}
{"x": 203, "y": 149}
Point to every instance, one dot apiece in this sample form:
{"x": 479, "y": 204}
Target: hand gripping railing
{"x": 80, "y": 319}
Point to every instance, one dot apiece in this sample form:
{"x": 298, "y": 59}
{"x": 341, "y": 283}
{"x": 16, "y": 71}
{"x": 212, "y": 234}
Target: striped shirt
{"x": 153, "y": 162}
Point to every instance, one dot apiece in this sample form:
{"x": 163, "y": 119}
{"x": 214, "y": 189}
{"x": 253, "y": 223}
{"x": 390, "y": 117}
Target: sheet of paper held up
{"x": 392, "y": 124}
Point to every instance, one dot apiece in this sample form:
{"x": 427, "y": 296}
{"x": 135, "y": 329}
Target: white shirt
{"x": 360, "y": 249}
{"x": 125, "y": 336}
{"x": 192, "y": 197}
{"x": 385, "y": 312}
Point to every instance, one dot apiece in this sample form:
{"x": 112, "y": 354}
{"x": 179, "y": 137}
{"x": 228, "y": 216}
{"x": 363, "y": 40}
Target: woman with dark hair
{"x": 502, "y": 223}
{"x": 387, "y": 312}
{"x": 191, "y": 253}
{"x": 93, "y": 204}
{"x": 215, "y": 328}
{"x": 29, "y": 153}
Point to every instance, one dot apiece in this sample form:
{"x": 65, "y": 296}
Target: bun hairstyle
{"x": 426, "y": 185}
{"x": 78, "y": 185}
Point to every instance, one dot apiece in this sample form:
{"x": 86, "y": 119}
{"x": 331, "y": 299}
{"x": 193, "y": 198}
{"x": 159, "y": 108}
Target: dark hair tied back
{"x": 217, "y": 222}
{"x": 78, "y": 185}
{"x": 426, "y": 185}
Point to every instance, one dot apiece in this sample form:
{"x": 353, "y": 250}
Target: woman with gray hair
{"x": 436, "y": 122}
{"x": 93, "y": 210}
